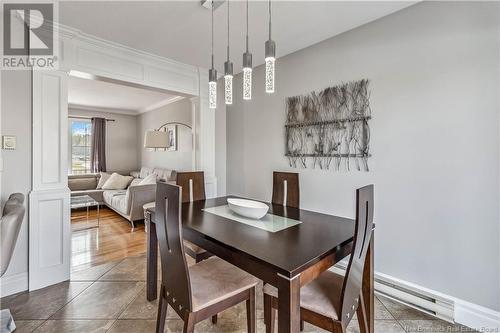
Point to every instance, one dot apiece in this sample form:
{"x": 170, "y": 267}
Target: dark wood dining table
{"x": 286, "y": 259}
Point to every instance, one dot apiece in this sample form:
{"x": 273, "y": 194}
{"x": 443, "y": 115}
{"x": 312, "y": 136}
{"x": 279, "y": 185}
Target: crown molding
{"x": 160, "y": 104}
{"x": 90, "y": 108}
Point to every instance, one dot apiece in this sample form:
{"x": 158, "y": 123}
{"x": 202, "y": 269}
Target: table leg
{"x": 152, "y": 261}
{"x": 368, "y": 290}
{"x": 288, "y": 304}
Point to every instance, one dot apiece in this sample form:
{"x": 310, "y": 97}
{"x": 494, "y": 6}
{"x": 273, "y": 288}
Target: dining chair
{"x": 193, "y": 185}
{"x": 204, "y": 289}
{"x": 286, "y": 189}
{"x": 193, "y": 189}
{"x": 330, "y": 300}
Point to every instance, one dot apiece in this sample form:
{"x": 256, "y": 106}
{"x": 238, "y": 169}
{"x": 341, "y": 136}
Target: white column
{"x": 49, "y": 211}
{"x": 204, "y": 127}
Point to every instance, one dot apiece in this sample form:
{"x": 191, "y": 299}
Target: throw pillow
{"x": 117, "y": 182}
{"x": 151, "y": 179}
{"x": 104, "y": 177}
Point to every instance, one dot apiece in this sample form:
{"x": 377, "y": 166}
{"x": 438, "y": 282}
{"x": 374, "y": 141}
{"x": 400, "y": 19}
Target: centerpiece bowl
{"x": 248, "y": 208}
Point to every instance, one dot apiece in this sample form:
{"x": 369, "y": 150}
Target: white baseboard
{"x": 476, "y": 316}
{"x": 434, "y": 303}
{"x": 13, "y": 284}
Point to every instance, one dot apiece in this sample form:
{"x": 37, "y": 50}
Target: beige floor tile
{"x": 175, "y": 325}
{"x": 42, "y": 303}
{"x": 403, "y": 312}
{"x": 102, "y": 300}
{"x": 93, "y": 273}
{"x": 27, "y": 326}
{"x": 433, "y": 326}
{"x": 141, "y": 308}
{"x": 129, "y": 269}
{"x": 75, "y": 326}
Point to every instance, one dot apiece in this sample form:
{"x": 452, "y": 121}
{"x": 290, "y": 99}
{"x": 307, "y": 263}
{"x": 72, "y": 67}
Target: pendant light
{"x": 228, "y": 69}
{"x": 270, "y": 58}
{"x": 212, "y": 73}
{"x": 247, "y": 70}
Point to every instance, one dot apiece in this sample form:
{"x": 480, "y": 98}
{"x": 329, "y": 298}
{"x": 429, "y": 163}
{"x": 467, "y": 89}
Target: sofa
{"x": 128, "y": 203}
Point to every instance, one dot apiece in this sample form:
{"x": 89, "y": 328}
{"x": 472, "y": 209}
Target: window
{"x": 81, "y": 138}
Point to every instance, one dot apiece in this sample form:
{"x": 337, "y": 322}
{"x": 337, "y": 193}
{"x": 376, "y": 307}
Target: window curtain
{"x": 98, "y": 150}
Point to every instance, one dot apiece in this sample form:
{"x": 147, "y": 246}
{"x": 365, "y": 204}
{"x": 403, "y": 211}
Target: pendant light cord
{"x": 212, "y": 33}
{"x": 228, "y": 30}
{"x": 269, "y": 19}
{"x": 247, "y": 25}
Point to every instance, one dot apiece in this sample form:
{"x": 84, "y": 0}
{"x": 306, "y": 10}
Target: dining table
{"x": 288, "y": 248}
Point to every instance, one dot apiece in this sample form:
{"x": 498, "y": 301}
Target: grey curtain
{"x": 98, "y": 152}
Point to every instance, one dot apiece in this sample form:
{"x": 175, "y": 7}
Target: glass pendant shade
{"x": 212, "y": 88}
{"x": 247, "y": 76}
{"x": 247, "y": 83}
{"x": 270, "y": 66}
{"x": 212, "y": 95}
{"x": 228, "y": 82}
{"x": 228, "y": 89}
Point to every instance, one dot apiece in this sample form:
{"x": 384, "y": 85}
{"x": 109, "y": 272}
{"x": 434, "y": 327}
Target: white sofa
{"x": 128, "y": 203}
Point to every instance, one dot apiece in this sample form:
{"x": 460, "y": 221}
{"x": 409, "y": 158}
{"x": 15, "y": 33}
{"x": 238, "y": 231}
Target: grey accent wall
{"x": 434, "y": 71}
{"x": 16, "y": 175}
{"x": 121, "y": 139}
{"x": 179, "y": 160}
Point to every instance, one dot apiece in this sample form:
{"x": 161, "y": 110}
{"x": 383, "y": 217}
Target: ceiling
{"x": 180, "y": 30}
{"x": 95, "y": 95}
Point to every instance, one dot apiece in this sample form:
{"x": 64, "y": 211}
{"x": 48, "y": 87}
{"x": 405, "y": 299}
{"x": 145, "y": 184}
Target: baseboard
{"x": 477, "y": 317}
{"x": 13, "y": 284}
{"x": 434, "y": 303}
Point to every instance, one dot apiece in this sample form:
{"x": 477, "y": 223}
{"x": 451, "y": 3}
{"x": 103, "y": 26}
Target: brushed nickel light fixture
{"x": 247, "y": 69}
{"x": 270, "y": 58}
{"x": 228, "y": 69}
{"x": 212, "y": 73}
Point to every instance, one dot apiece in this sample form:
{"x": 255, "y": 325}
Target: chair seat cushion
{"x": 214, "y": 280}
{"x": 321, "y": 295}
{"x": 194, "y": 248}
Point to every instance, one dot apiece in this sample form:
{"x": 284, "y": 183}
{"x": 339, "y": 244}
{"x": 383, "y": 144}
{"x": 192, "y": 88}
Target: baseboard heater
{"x": 409, "y": 295}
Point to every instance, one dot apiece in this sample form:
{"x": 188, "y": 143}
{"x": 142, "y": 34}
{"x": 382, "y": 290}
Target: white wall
{"x": 434, "y": 71}
{"x": 220, "y": 141}
{"x": 16, "y": 175}
{"x": 181, "y": 159}
{"x": 121, "y": 139}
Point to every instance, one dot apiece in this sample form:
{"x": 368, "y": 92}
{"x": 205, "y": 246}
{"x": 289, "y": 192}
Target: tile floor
{"x": 112, "y": 298}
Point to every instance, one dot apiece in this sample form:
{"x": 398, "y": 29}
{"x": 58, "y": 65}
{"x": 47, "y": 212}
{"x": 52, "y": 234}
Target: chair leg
{"x": 189, "y": 323}
{"x": 214, "y": 319}
{"x": 162, "y": 312}
{"x": 251, "y": 323}
{"x": 269, "y": 313}
{"x": 301, "y": 325}
{"x": 361, "y": 312}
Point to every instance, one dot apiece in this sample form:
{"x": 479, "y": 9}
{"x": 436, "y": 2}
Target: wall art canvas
{"x": 330, "y": 129}
{"x": 171, "y": 137}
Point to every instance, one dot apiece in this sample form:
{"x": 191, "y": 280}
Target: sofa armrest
{"x": 138, "y": 196}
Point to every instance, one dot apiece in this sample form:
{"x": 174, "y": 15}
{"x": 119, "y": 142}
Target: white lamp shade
{"x": 156, "y": 139}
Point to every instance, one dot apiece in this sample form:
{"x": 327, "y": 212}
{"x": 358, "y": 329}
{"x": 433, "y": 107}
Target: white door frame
{"x": 49, "y": 211}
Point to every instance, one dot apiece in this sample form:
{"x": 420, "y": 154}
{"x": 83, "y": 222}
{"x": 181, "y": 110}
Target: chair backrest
{"x": 286, "y": 189}
{"x": 353, "y": 280}
{"x": 174, "y": 269}
{"x": 10, "y": 225}
{"x": 193, "y": 185}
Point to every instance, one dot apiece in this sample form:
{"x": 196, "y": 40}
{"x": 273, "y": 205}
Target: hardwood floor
{"x": 113, "y": 240}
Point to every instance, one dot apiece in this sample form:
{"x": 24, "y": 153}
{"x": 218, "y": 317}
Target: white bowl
{"x": 248, "y": 208}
